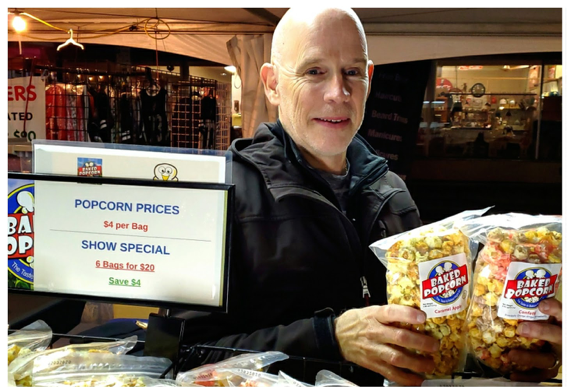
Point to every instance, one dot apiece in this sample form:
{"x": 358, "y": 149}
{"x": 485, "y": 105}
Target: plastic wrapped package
{"x": 429, "y": 268}
{"x": 519, "y": 265}
{"x": 219, "y": 374}
{"x": 34, "y": 337}
{"x": 99, "y": 369}
{"x": 21, "y": 368}
{"x": 284, "y": 380}
{"x": 327, "y": 378}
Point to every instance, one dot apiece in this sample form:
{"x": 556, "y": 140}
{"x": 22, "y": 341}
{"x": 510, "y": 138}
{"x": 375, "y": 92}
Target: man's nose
{"x": 337, "y": 90}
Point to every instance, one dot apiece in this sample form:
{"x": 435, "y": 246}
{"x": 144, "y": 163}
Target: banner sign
{"x": 20, "y": 234}
{"x": 393, "y": 111}
{"x": 160, "y": 244}
{"x": 20, "y": 93}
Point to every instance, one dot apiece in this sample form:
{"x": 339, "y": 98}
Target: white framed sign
{"x": 129, "y": 161}
{"x": 144, "y": 242}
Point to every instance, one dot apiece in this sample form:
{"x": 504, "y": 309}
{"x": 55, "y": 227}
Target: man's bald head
{"x": 319, "y": 78}
{"x": 297, "y": 20}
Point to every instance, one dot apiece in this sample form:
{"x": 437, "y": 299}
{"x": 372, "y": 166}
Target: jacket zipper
{"x": 365, "y": 291}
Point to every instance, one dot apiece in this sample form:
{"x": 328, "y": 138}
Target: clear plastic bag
{"x": 327, "y": 378}
{"x": 477, "y": 382}
{"x": 21, "y": 368}
{"x": 31, "y": 338}
{"x": 429, "y": 268}
{"x": 217, "y": 375}
{"x": 108, "y": 381}
{"x": 98, "y": 369}
{"x": 519, "y": 265}
{"x": 284, "y": 380}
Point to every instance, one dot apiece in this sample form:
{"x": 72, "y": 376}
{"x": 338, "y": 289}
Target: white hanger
{"x": 70, "y": 41}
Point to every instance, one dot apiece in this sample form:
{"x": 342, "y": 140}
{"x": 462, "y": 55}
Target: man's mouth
{"x": 333, "y": 120}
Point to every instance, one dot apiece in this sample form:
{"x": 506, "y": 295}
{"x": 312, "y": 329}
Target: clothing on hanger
{"x": 154, "y": 117}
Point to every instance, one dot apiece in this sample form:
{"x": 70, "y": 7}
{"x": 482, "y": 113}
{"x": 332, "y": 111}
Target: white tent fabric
{"x": 384, "y": 49}
{"x": 208, "y": 47}
{"x": 248, "y": 54}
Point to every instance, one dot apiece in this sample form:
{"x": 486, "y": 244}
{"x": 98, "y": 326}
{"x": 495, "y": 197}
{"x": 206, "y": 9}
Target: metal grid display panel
{"x": 189, "y": 126}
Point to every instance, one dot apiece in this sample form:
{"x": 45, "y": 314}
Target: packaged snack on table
{"x": 429, "y": 268}
{"x": 96, "y": 369}
{"x": 220, "y": 374}
{"x": 31, "y": 338}
{"x": 21, "y": 368}
{"x": 519, "y": 266}
{"x": 327, "y": 378}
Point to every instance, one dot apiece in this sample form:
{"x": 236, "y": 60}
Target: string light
{"x": 18, "y": 23}
{"x": 129, "y": 28}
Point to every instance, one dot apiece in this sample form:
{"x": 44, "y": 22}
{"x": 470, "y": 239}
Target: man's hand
{"x": 545, "y": 364}
{"x": 365, "y": 339}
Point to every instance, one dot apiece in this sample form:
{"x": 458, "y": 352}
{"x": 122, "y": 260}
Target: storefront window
{"x": 491, "y": 111}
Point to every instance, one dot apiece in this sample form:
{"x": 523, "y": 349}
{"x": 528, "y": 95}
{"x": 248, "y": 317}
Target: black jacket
{"x": 297, "y": 260}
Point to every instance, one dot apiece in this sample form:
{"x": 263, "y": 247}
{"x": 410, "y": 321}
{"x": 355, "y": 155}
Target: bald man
{"x": 311, "y": 196}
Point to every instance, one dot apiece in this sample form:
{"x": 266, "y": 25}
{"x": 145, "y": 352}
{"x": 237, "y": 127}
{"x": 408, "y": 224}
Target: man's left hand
{"x": 545, "y": 365}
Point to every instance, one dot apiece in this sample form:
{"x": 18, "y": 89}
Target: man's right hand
{"x": 365, "y": 338}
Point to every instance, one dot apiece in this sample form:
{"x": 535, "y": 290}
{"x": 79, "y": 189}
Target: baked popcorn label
{"x": 526, "y": 286}
{"x": 443, "y": 282}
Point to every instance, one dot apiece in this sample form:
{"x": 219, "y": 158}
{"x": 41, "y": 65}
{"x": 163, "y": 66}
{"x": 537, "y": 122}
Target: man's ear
{"x": 370, "y": 74}
{"x": 270, "y": 81}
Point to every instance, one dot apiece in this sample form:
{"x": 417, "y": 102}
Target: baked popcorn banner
{"x": 21, "y": 208}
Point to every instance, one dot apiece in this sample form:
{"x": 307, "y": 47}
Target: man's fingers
{"x": 551, "y": 307}
{"x": 534, "y": 375}
{"x": 541, "y": 331}
{"x": 398, "y": 313}
{"x": 534, "y": 359}
{"x": 400, "y": 358}
{"x": 406, "y": 338}
{"x": 392, "y": 373}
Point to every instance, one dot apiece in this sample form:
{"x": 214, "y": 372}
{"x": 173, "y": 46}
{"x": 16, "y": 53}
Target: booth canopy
{"x": 394, "y": 34}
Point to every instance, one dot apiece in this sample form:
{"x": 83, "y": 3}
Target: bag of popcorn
{"x": 429, "y": 268}
{"x": 519, "y": 265}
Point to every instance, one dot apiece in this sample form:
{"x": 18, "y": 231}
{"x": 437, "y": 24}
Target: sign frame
{"x": 228, "y": 188}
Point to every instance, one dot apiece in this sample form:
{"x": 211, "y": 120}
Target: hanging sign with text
{"x": 20, "y": 94}
{"x": 393, "y": 111}
{"x": 148, "y": 243}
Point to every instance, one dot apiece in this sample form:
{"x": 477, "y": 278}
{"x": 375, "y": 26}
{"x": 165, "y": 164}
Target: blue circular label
{"x": 531, "y": 302}
{"x": 21, "y": 266}
{"x": 448, "y": 296}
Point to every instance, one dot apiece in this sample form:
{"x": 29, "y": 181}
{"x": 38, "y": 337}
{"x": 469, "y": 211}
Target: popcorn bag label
{"x": 526, "y": 285}
{"x": 443, "y": 282}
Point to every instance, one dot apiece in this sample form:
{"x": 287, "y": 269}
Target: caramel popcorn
{"x": 430, "y": 271}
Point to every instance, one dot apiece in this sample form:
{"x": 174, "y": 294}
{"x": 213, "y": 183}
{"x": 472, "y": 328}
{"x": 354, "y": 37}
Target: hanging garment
{"x": 154, "y": 117}
{"x": 210, "y": 126}
{"x": 126, "y": 119}
{"x": 71, "y": 110}
{"x": 100, "y": 121}
{"x": 209, "y": 108}
{"x": 55, "y": 112}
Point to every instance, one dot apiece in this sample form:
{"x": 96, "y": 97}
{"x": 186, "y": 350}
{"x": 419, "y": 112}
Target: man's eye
{"x": 352, "y": 72}
{"x": 313, "y": 72}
